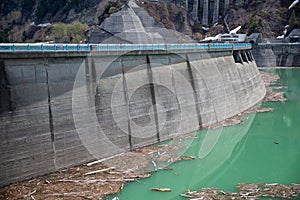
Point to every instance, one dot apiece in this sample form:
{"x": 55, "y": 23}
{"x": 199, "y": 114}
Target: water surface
{"x": 264, "y": 148}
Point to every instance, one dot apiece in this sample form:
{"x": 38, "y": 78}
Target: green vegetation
{"x": 255, "y": 25}
{"x": 114, "y": 7}
{"x": 73, "y": 32}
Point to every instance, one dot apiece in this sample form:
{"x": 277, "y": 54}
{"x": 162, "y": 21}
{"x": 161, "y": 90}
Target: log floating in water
{"x": 161, "y": 189}
{"x": 104, "y": 159}
{"x": 98, "y": 171}
{"x": 261, "y": 110}
{"x": 186, "y": 157}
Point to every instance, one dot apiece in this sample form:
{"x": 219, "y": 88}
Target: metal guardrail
{"x": 118, "y": 47}
{"x": 279, "y": 44}
{"x": 44, "y": 47}
{"x": 167, "y": 47}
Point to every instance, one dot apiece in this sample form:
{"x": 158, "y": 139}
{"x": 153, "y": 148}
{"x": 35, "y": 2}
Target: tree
{"x": 74, "y": 30}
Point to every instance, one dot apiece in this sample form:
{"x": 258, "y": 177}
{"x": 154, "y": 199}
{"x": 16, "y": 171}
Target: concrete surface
{"x": 58, "y": 112}
{"x": 270, "y": 55}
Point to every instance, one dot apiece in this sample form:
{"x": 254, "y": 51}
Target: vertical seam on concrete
{"x": 88, "y": 79}
{"x": 152, "y": 92}
{"x": 6, "y": 86}
{"x": 87, "y": 76}
{"x": 125, "y": 90}
{"x": 189, "y": 68}
{"x": 87, "y": 69}
{"x": 223, "y": 83}
{"x": 242, "y": 82}
{"x": 46, "y": 65}
{"x": 174, "y": 88}
{"x": 93, "y": 71}
{"x": 93, "y": 75}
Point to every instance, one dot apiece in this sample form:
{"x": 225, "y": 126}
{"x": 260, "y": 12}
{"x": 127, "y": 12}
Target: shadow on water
{"x": 264, "y": 148}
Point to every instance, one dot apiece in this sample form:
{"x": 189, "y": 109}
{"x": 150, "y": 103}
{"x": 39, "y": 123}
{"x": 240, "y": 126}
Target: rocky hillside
{"x": 269, "y": 17}
{"x": 33, "y": 20}
{"x": 28, "y": 20}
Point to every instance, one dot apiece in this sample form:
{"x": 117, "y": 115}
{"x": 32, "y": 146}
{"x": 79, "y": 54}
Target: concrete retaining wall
{"x": 59, "y": 112}
{"x": 282, "y": 55}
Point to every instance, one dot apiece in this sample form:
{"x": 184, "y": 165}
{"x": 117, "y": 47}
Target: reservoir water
{"x": 264, "y": 148}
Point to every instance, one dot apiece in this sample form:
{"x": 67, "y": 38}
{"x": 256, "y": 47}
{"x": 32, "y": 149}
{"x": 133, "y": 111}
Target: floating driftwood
{"x": 262, "y": 110}
{"x": 272, "y": 95}
{"x": 161, "y": 189}
{"x": 247, "y": 191}
{"x": 100, "y": 170}
{"x": 186, "y": 157}
{"x": 99, "y": 180}
{"x": 104, "y": 159}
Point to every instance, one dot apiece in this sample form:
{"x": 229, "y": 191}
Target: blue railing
{"x": 118, "y": 47}
{"x": 44, "y": 47}
{"x": 279, "y": 44}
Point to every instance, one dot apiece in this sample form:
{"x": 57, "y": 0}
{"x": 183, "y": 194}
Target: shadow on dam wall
{"x": 60, "y": 112}
{"x": 283, "y": 54}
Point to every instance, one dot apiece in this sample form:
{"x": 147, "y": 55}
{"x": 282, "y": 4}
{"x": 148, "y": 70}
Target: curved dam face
{"x": 59, "y": 111}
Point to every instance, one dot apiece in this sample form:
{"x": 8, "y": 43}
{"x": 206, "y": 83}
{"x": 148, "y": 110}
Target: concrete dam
{"x": 277, "y": 54}
{"x": 62, "y": 106}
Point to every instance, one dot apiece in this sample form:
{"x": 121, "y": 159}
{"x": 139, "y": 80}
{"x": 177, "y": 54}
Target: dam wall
{"x": 60, "y": 110}
{"x": 277, "y": 54}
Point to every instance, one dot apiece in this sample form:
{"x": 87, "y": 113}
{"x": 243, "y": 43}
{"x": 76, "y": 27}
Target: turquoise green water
{"x": 264, "y": 148}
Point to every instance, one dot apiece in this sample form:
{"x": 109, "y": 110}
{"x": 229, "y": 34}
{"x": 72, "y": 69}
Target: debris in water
{"x": 186, "y": 157}
{"x": 100, "y": 170}
{"x": 247, "y": 191}
{"x": 262, "y": 110}
{"x": 97, "y": 179}
{"x": 161, "y": 189}
{"x": 272, "y": 95}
